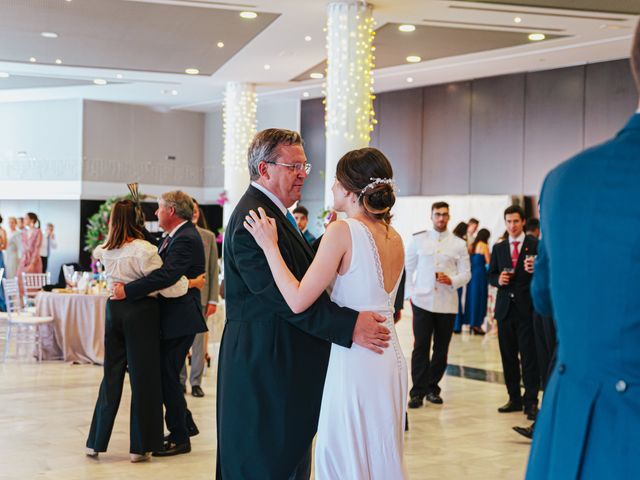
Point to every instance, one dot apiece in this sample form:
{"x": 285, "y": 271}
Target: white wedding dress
{"x": 362, "y": 418}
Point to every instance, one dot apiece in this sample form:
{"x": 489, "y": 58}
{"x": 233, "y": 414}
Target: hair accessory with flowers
{"x": 378, "y": 181}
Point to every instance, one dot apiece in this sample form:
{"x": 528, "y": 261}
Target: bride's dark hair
{"x": 355, "y": 171}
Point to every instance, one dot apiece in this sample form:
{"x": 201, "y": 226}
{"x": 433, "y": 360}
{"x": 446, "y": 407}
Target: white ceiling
{"x": 586, "y": 37}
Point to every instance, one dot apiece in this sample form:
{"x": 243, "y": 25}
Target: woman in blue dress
{"x": 461, "y": 232}
{"x": 478, "y": 287}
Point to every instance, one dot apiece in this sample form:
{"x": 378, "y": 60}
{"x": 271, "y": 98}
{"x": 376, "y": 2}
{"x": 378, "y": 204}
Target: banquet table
{"x": 77, "y": 333}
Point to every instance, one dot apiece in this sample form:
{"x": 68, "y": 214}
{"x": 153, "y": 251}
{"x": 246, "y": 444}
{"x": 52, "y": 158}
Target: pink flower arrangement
{"x": 222, "y": 198}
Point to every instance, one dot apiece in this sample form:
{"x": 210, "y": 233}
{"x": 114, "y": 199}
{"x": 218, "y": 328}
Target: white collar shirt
{"x": 432, "y": 252}
{"x": 173, "y": 232}
{"x": 272, "y": 197}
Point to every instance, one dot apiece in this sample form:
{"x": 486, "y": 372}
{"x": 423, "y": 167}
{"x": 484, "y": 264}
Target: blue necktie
{"x": 293, "y": 221}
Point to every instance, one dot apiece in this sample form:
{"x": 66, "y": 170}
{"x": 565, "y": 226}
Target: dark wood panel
{"x": 497, "y": 138}
{"x": 554, "y": 122}
{"x": 312, "y": 130}
{"x": 446, "y": 131}
{"x": 610, "y": 100}
{"x": 400, "y": 136}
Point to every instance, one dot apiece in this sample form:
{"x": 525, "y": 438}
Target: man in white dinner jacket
{"x": 437, "y": 264}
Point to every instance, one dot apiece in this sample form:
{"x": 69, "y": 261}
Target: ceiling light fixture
{"x": 409, "y": 79}
{"x": 100, "y": 81}
{"x": 58, "y": 61}
{"x": 32, "y": 59}
{"x": 192, "y": 71}
{"x": 414, "y": 59}
{"x": 248, "y": 15}
{"x": 407, "y": 28}
{"x": 316, "y": 75}
{"x": 517, "y": 20}
{"x": 49, "y": 34}
{"x": 267, "y": 67}
{"x": 220, "y": 44}
{"x": 307, "y": 38}
{"x": 305, "y": 94}
{"x": 118, "y": 75}
{"x": 536, "y": 37}
{"x": 4, "y": 75}
{"x": 170, "y": 92}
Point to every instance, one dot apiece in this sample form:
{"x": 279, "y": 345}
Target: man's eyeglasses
{"x": 298, "y": 167}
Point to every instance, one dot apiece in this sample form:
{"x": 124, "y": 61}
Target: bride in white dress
{"x": 361, "y": 426}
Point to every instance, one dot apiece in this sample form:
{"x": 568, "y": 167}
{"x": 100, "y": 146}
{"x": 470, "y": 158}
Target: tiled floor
{"x": 45, "y": 411}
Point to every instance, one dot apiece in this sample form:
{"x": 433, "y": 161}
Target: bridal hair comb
{"x": 378, "y": 181}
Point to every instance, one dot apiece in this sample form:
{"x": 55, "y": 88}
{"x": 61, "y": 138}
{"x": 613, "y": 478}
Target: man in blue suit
{"x": 588, "y": 268}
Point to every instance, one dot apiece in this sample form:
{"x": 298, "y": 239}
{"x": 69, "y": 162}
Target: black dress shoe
{"x": 531, "y": 412}
{"x": 170, "y": 449}
{"x": 525, "y": 431}
{"x": 184, "y": 389}
{"x": 196, "y": 391}
{"x": 477, "y": 331}
{"x": 510, "y": 406}
{"x": 415, "y": 402}
{"x": 434, "y": 398}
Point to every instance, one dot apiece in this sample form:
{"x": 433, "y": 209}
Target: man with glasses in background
{"x": 437, "y": 264}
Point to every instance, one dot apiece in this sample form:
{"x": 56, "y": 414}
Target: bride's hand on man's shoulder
{"x": 262, "y": 228}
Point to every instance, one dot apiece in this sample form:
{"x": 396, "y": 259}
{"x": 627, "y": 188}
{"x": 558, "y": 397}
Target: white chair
{"x": 24, "y": 327}
{"x": 32, "y": 283}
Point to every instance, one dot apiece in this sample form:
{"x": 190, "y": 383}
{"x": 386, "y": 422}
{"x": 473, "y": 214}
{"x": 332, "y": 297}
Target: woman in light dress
{"x": 3, "y": 246}
{"x": 361, "y": 426}
{"x": 12, "y": 253}
{"x": 132, "y": 339}
{"x": 31, "y": 243}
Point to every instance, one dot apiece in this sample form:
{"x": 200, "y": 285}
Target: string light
{"x": 349, "y": 108}
{"x": 239, "y": 123}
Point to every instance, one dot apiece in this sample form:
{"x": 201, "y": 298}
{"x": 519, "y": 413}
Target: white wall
{"x": 64, "y": 214}
{"x": 213, "y": 150}
{"x": 413, "y": 214}
{"x": 278, "y": 114}
{"x": 39, "y": 142}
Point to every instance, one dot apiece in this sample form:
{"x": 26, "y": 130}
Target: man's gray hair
{"x": 181, "y": 203}
{"x": 264, "y": 147}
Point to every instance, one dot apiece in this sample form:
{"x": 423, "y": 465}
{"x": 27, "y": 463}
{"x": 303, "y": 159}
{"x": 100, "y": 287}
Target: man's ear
{"x": 263, "y": 169}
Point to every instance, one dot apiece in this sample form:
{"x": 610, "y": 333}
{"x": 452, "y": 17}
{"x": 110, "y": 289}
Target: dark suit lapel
{"x": 181, "y": 229}
{"x": 273, "y": 211}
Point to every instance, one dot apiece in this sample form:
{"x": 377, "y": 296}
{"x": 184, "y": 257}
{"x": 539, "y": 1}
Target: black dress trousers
{"x": 427, "y": 370}
{"x": 132, "y": 339}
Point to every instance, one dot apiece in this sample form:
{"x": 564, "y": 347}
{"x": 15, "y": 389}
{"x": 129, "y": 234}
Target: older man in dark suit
{"x": 181, "y": 318}
{"x": 273, "y": 362}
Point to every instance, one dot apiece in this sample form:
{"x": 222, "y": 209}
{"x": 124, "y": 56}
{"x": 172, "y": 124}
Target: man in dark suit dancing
{"x": 273, "y": 362}
{"x": 514, "y": 313}
{"x": 181, "y": 318}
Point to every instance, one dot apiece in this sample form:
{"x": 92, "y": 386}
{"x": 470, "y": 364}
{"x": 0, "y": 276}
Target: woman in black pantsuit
{"x": 132, "y": 339}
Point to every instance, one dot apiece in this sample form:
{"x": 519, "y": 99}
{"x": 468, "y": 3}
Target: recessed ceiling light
{"x": 305, "y": 94}
{"x": 32, "y": 59}
{"x": 407, "y": 28}
{"x": 118, "y": 75}
{"x": 316, "y": 75}
{"x": 536, "y": 37}
{"x": 307, "y": 38}
{"x": 170, "y": 92}
{"x": 517, "y": 20}
{"x": 267, "y": 67}
{"x": 100, "y": 81}
{"x": 409, "y": 79}
{"x": 4, "y": 75}
{"x": 58, "y": 61}
{"x": 192, "y": 71}
{"x": 248, "y": 15}
{"x": 414, "y": 59}
{"x": 220, "y": 44}
{"x": 49, "y": 34}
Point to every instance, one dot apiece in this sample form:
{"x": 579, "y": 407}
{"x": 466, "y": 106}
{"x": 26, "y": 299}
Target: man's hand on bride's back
{"x": 370, "y": 333}
{"x": 262, "y": 228}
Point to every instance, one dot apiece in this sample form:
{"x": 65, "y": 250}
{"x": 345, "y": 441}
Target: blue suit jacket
{"x": 184, "y": 255}
{"x": 588, "y": 269}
